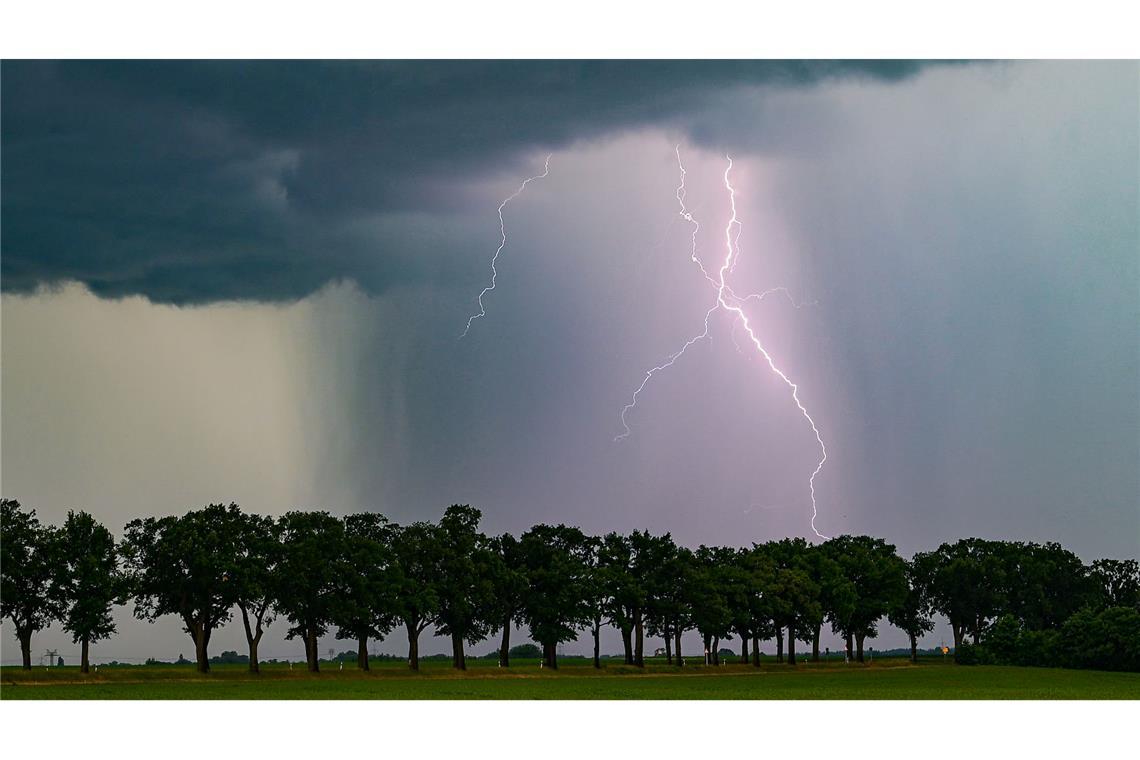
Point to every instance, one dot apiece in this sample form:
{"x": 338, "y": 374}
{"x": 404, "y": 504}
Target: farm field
{"x": 576, "y": 679}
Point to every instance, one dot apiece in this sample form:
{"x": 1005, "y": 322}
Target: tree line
{"x": 364, "y": 576}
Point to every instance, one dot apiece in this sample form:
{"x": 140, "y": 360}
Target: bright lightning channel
{"x": 502, "y": 243}
{"x": 729, "y": 301}
{"x": 688, "y": 217}
{"x": 729, "y": 261}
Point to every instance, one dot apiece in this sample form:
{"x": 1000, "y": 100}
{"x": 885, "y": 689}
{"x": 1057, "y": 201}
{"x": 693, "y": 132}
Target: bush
{"x": 966, "y": 654}
{"x": 526, "y": 651}
{"x": 1107, "y": 639}
{"x": 1104, "y": 640}
{"x": 1038, "y": 648}
{"x": 1002, "y": 643}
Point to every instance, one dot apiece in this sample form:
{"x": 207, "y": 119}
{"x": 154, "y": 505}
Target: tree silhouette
{"x": 1022, "y": 603}
{"x": 558, "y": 577}
{"x": 309, "y": 574}
{"x": 417, "y": 550}
{"x": 88, "y": 581}
{"x": 965, "y": 582}
{"x": 364, "y": 601}
{"x": 709, "y": 587}
{"x": 182, "y": 566}
{"x": 465, "y": 581}
{"x": 1118, "y": 582}
{"x": 878, "y": 576}
{"x": 509, "y": 586}
{"x": 620, "y": 588}
{"x": 254, "y": 572}
{"x": 27, "y": 568}
{"x": 911, "y": 613}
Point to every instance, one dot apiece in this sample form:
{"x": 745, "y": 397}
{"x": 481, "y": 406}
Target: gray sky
{"x": 222, "y": 287}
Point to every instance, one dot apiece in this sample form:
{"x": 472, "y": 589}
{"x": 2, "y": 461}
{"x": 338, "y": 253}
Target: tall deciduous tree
{"x": 308, "y": 576}
{"x": 796, "y": 597}
{"x": 877, "y": 575}
{"x": 26, "y": 569}
{"x": 709, "y": 594}
{"x": 88, "y": 580}
{"x": 911, "y": 613}
{"x": 509, "y": 584}
{"x": 253, "y": 575}
{"x": 558, "y": 578}
{"x": 743, "y": 585}
{"x": 668, "y": 613}
{"x": 659, "y": 561}
{"x": 417, "y": 550}
{"x": 1044, "y": 584}
{"x": 364, "y": 603}
{"x": 837, "y": 594}
{"x": 965, "y": 582}
{"x": 649, "y": 552}
{"x": 466, "y": 581}
{"x": 1118, "y": 582}
{"x": 182, "y": 566}
{"x": 620, "y": 587}
{"x": 759, "y": 611}
{"x": 597, "y": 595}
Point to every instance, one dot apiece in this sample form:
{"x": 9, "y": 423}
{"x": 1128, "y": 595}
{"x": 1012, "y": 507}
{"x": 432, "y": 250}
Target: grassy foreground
{"x": 885, "y": 679}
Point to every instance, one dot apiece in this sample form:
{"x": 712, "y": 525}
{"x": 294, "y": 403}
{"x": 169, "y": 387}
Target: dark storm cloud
{"x": 191, "y": 182}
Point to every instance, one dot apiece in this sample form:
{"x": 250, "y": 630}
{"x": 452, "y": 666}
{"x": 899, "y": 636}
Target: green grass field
{"x": 884, "y": 679}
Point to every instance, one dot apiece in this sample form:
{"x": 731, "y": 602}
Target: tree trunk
{"x": 200, "y": 651}
{"x": 716, "y": 650}
{"x": 362, "y": 652}
{"x": 315, "y": 661}
{"x": 958, "y": 632}
{"x": 913, "y": 649}
{"x": 505, "y": 647}
{"x": 743, "y": 647}
{"x": 850, "y": 648}
{"x": 791, "y": 645}
{"x": 597, "y": 646}
{"x": 550, "y": 654}
{"x": 639, "y": 641}
{"x": 252, "y": 637}
{"x": 25, "y": 638}
{"x": 668, "y": 646}
{"x": 413, "y": 646}
{"x": 708, "y": 648}
{"x": 677, "y": 646}
{"x": 458, "y": 659}
{"x": 859, "y": 647}
{"x": 756, "y": 651}
{"x": 84, "y": 658}
{"x": 779, "y": 644}
{"x": 627, "y": 642}
{"x": 815, "y": 643}
{"x": 254, "y": 665}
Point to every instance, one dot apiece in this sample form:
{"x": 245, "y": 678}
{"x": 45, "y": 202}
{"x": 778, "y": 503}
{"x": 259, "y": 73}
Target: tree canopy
{"x": 361, "y": 576}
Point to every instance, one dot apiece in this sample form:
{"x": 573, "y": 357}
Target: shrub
{"x": 1038, "y": 648}
{"x": 966, "y": 654}
{"x": 1104, "y": 640}
{"x": 526, "y": 651}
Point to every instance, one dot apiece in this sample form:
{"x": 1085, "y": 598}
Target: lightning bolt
{"x": 653, "y": 371}
{"x": 688, "y": 217}
{"x": 502, "y": 243}
{"x": 732, "y": 244}
{"x": 728, "y": 300}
